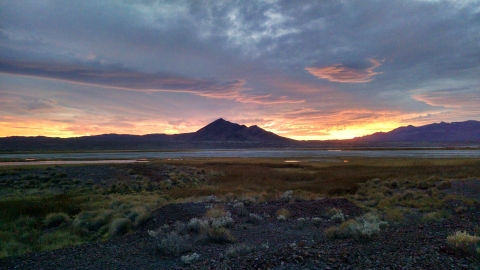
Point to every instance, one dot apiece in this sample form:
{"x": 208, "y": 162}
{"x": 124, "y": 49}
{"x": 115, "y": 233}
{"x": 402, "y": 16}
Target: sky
{"x": 307, "y": 70}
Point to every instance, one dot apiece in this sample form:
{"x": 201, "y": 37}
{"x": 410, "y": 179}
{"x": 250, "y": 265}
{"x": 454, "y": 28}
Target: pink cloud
{"x": 112, "y": 76}
{"x": 344, "y": 74}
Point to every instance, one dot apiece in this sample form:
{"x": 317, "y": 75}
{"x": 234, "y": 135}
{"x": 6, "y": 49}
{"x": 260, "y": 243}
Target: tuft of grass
{"x": 435, "y": 216}
{"x": 120, "y": 226}
{"x": 216, "y": 212}
{"x": 461, "y": 240}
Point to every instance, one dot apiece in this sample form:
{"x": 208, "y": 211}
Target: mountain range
{"x": 466, "y": 132}
{"x": 224, "y": 134}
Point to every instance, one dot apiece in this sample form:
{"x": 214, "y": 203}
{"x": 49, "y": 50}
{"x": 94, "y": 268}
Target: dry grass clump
{"x": 219, "y": 236}
{"x": 435, "y": 216}
{"x": 216, "y": 212}
{"x": 465, "y": 242}
{"x": 120, "y": 226}
{"x": 283, "y": 212}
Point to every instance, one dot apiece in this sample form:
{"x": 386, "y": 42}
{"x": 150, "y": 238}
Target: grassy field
{"x": 43, "y": 208}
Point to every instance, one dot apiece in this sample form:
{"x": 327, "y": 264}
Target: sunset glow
{"x": 327, "y": 70}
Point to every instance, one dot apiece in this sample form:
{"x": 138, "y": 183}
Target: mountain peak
{"x": 223, "y": 130}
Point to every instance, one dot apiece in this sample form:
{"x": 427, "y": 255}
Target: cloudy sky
{"x": 328, "y": 69}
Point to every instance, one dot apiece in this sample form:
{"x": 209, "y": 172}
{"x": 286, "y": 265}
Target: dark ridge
{"x": 467, "y": 132}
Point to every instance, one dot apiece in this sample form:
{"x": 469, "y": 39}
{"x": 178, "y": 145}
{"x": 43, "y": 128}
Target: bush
{"x": 211, "y": 199}
{"x": 120, "y": 226}
{"x": 317, "y": 221}
{"x": 301, "y": 222}
{"x": 363, "y": 228}
{"x": 238, "y": 205}
{"x": 171, "y": 243}
{"x": 287, "y": 196}
{"x": 464, "y": 241}
{"x": 219, "y": 236}
{"x": 55, "y": 219}
{"x": 220, "y": 222}
{"x": 239, "y": 250}
{"x": 338, "y": 217}
{"x": 189, "y": 259}
{"x": 197, "y": 225}
{"x": 255, "y": 218}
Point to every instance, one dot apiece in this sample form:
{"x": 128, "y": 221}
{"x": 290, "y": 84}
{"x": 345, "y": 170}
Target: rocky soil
{"x": 278, "y": 245}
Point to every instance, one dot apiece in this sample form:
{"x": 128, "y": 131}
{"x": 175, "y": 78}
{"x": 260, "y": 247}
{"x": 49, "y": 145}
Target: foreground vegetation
{"x": 43, "y": 208}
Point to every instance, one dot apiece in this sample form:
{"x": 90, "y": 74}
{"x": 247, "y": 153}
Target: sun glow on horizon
{"x": 67, "y": 130}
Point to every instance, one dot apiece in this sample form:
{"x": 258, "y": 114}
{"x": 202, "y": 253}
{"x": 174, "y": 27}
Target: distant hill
{"x": 222, "y": 130}
{"x": 218, "y": 134}
{"x": 466, "y": 132}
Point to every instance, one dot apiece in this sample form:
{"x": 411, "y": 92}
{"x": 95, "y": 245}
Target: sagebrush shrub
{"x": 364, "y": 228}
{"x": 338, "y": 217}
{"x": 171, "y": 243}
{"x": 255, "y": 218}
{"x": 225, "y": 221}
{"x": 287, "y": 196}
{"x": 317, "y": 221}
{"x": 197, "y": 225}
{"x": 239, "y": 250}
{"x": 189, "y": 259}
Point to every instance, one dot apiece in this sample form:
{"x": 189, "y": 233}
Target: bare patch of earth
{"x": 410, "y": 245}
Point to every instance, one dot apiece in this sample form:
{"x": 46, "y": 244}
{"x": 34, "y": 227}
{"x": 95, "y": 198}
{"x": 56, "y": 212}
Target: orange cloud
{"x": 345, "y": 74}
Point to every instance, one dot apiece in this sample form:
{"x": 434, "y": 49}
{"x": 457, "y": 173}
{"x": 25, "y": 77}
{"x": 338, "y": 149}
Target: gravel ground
{"x": 280, "y": 245}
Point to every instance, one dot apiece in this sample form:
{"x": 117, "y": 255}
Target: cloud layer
{"x": 344, "y": 67}
{"x": 344, "y": 74}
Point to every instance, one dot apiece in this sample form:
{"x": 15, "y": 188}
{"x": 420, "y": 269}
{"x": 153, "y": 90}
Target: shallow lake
{"x": 275, "y": 153}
